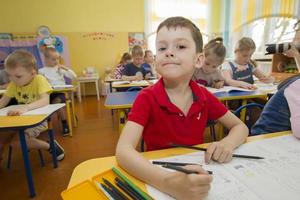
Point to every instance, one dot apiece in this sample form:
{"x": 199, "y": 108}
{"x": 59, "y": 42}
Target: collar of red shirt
{"x": 163, "y": 100}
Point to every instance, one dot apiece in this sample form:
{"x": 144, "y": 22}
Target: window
{"x": 159, "y": 10}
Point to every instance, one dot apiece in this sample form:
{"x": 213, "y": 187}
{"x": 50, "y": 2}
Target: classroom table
{"x": 88, "y": 169}
{"x": 69, "y": 96}
{"x": 87, "y": 79}
{"x": 124, "y": 86}
{"x": 124, "y": 100}
{"x": 22, "y": 122}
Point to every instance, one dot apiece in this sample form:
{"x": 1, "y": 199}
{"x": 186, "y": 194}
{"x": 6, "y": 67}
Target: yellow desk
{"x": 20, "y": 123}
{"x": 69, "y": 95}
{"x": 88, "y": 169}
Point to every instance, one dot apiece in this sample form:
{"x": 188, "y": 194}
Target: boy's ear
{"x": 199, "y": 60}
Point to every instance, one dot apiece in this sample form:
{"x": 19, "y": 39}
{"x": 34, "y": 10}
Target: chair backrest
{"x": 134, "y": 88}
{"x": 251, "y": 113}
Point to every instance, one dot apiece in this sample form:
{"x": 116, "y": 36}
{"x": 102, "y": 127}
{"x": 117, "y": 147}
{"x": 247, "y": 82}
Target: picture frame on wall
{"x": 136, "y": 38}
{"x": 6, "y": 36}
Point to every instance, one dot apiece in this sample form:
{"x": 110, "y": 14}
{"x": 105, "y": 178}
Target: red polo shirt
{"x": 164, "y": 123}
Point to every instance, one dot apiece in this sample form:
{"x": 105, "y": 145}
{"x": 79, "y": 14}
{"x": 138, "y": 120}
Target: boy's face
{"x": 137, "y": 60}
{"x": 53, "y": 59}
{"x": 211, "y": 63}
{"x": 149, "y": 58}
{"x": 243, "y": 57}
{"x": 20, "y": 75}
{"x": 176, "y": 55}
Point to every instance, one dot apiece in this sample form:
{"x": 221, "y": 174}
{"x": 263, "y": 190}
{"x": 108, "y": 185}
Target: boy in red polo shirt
{"x": 176, "y": 110}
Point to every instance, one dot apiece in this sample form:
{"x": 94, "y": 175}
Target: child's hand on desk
{"x": 17, "y": 111}
{"x": 247, "y": 86}
{"x": 188, "y": 186}
{"x": 219, "y": 152}
{"x": 218, "y": 84}
{"x": 139, "y": 76}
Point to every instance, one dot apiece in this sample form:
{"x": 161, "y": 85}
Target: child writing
{"x": 175, "y": 110}
{"x": 55, "y": 74}
{"x": 209, "y": 74}
{"x": 126, "y": 59}
{"x": 134, "y": 70}
{"x": 281, "y": 113}
{"x": 31, "y": 91}
{"x": 240, "y": 71}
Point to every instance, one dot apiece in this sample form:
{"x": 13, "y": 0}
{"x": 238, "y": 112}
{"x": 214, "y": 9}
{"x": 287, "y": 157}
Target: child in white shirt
{"x": 55, "y": 74}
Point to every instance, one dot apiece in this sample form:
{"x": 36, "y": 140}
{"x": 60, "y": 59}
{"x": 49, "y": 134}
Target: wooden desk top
{"x": 88, "y": 169}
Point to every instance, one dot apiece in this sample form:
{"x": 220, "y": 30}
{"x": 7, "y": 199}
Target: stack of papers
{"x": 62, "y": 86}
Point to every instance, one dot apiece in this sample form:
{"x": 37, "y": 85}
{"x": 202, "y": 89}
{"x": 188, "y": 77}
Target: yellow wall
{"x": 75, "y": 19}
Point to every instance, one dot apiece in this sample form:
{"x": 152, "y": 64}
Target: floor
{"x": 96, "y": 136}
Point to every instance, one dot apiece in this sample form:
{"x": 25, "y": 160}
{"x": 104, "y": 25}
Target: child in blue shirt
{"x": 239, "y": 72}
{"x": 281, "y": 113}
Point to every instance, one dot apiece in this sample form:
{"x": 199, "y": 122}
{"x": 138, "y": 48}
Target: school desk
{"x": 124, "y": 100}
{"x": 87, "y": 79}
{"x": 20, "y": 123}
{"x": 69, "y": 96}
{"x": 88, "y": 169}
{"x": 121, "y": 85}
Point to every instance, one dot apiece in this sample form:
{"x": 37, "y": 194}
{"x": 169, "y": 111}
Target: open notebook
{"x": 143, "y": 82}
{"x": 227, "y": 89}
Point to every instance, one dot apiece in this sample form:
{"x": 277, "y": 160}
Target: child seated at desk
{"x": 134, "y": 71}
{"x": 176, "y": 110}
{"x": 55, "y": 74}
{"x": 281, "y": 113}
{"x": 126, "y": 59}
{"x": 209, "y": 73}
{"x": 30, "y": 90}
{"x": 240, "y": 71}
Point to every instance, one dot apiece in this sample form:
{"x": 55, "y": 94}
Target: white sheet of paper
{"x": 62, "y": 86}
{"x": 46, "y": 110}
{"x": 276, "y": 177}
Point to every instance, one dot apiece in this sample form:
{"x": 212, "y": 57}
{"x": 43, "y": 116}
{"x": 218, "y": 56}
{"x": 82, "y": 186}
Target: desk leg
{"x": 97, "y": 89}
{"x": 121, "y": 120}
{"x": 51, "y": 142}
{"x": 79, "y": 92}
{"x": 73, "y": 109}
{"x": 27, "y": 164}
{"x": 243, "y": 112}
{"x": 68, "y": 111}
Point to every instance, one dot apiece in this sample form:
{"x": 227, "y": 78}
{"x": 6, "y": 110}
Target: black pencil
{"x": 186, "y": 171}
{"x": 114, "y": 189}
{"x": 126, "y": 189}
{"x": 172, "y": 163}
{"x": 205, "y": 149}
{"x": 110, "y": 192}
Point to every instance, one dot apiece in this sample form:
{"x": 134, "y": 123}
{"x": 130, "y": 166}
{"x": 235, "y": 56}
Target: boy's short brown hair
{"x": 137, "y": 51}
{"x": 174, "y": 22}
{"x": 48, "y": 50}
{"x": 21, "y": 58}
{"x": 245, "y": 44}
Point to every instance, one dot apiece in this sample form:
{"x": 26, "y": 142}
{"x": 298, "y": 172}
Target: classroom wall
{"x": 96, "y": 30}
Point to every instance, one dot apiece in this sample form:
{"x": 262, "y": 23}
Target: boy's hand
{"x": 219, "y": 152}
{"x": 292, "y": 52}
{"x": 218, "y": 84}
{"x": 63, "y": 67}
{"x": 17, "y": 111}
{"x": 267, "y": 79}
{"x": 247, "y": 86}
{"x": 148, "y": 75}
{"x": 139, "y": 76}
{"x": 188, "y": 186}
